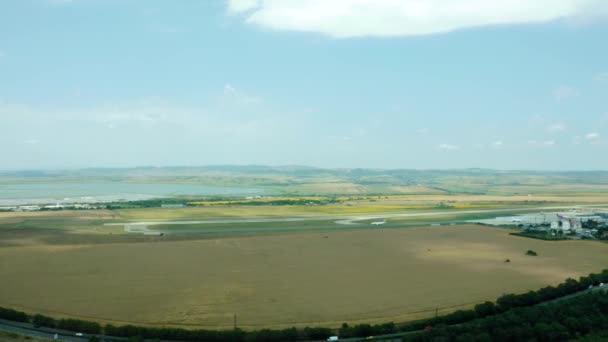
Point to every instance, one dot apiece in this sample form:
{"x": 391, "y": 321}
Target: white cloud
{"x": 144, "y": 112}
{"x": 359, "y": 18}
{"x": 237, "y": 6}
{"x": 592, "y": 137}
{"x": 149, "y": 121}
{"x": 544, "y": 143}
{"x": 235, "y": 96}
{"x": 497, "y": 144}
{"x": 448, "y": 147}
{"x": 564, "y": 92}
{"x": 229, "y": 89}
{"x": 422, "y": 130}
{"x": 558, "y": 127}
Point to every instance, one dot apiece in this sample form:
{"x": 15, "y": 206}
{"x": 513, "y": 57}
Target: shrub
{"x": 44, "y": 321}
{"x": 13, "y": 315}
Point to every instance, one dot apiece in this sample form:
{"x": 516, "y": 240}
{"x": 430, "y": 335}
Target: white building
{"x": 567, "y": 225}
{"x": 54, "y": 207}
{"x": 29, "y": 207}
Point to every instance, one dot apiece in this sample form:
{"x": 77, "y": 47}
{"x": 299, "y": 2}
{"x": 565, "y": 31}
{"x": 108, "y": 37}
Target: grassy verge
{"x": 6, "y": 336}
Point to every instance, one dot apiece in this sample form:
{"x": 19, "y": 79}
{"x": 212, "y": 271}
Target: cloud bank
{"x": 385, "y": 18}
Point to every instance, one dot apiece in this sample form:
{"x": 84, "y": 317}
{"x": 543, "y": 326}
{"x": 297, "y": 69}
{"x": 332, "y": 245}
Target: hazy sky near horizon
{"x": 501, "y": 84}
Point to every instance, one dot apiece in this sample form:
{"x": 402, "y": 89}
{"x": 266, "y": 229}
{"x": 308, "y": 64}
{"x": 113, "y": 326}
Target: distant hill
{"x": 306, "y": 180}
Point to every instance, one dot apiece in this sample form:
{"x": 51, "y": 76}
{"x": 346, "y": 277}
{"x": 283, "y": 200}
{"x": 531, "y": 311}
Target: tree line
{"x": 565, "y": 320}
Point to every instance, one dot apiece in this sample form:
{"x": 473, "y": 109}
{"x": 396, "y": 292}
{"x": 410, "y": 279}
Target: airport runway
{"x": 144, "y": 227}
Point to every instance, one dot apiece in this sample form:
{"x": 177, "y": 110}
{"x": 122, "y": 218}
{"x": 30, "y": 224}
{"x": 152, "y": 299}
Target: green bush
{"x": 79, "y": 326}
{"x": 43, "y": 321}
{"x": 13, "y": 315}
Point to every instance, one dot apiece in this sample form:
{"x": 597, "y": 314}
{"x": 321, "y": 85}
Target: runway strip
{"x": 142, "y": 227}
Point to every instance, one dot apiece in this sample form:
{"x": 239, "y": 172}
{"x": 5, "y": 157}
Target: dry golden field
{"x": 303, "y": 278}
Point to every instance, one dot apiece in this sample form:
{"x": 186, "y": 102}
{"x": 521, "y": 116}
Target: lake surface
{"x": 96, "y": 192}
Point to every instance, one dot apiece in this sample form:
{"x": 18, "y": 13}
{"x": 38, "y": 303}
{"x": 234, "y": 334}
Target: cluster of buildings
{"x": 582, "y": 223}
{"x": 71, "y": 206}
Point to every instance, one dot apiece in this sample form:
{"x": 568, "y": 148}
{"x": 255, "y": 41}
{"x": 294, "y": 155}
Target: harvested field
{"x": 304, "y": 278}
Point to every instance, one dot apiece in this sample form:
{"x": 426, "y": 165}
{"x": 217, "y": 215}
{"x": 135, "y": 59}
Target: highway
{"x": 29, "y": 330}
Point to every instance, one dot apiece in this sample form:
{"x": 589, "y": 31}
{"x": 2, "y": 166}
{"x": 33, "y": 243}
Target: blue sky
{"x": 342, "y": 83}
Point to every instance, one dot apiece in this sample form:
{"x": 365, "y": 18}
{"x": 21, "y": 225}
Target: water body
{"x": 99, "y": 192}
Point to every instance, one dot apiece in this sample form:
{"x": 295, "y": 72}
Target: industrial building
{"x": 567, "y": 223}
{"x": 576, "y": 223}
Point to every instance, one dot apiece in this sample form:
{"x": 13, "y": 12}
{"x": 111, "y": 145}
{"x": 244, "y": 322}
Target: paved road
{"x": 27, "y": 329}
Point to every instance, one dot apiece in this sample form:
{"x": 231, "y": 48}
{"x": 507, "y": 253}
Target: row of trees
{"x": 14, "y": 315}
{"x": 561, "y": 321}
{"x": 286, "y": 202}
{"x": 155, "y": 203}
{"x": 511, "y": 301}
{"x": 67, "y": 324}
{"x": 509, "y": 307}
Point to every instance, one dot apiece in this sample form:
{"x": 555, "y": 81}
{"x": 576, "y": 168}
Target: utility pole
{"x": 234, "y": 321}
